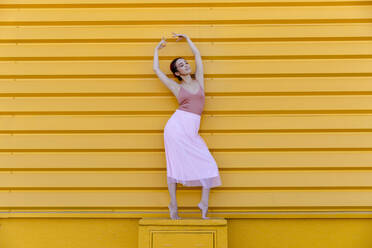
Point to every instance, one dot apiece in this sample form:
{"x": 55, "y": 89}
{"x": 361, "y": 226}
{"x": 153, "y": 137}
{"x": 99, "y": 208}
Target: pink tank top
{"x": 193, "y": 103}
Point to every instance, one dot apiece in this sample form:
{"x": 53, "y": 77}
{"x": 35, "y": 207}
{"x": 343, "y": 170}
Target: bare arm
{"x": 170, "y": 83}
{"x": 199, "y": 72}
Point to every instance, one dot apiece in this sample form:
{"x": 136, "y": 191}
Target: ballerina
{"x": 189, "y": 160}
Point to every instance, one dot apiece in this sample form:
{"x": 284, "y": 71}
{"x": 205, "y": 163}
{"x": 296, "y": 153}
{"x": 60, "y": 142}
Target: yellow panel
{"x": 188, "y": 14}
{"x": 183, "y": 239}
{"x": 326, "y": 140}
{"x": 237, "y": 104}
{"x": 31, "y": 2}
{"x": 63, "y": 233}
{"x": 226, "y": 199}
{"x": 209, "y": 123}
{"x": 156, "y": 160}
{"x": 215, "y": 32}
{"x": 119, "y": 233}
{"x": 188, "y": 233}
{"x": 235, "y": 213}
{"x": 138, "y": 180}
{"x": 213, "y": 86}
{"x": 304, "y": 233}
{"x": 207, "y": 49}
{"x": 217, "y": 67}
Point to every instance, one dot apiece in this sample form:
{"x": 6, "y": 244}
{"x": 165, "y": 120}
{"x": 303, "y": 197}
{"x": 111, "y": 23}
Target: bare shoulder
{"x": 172, "y": 85}
{"x": 175, "y": 89}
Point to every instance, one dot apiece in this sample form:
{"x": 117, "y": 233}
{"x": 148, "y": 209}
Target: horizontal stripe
{"x": 209, "y": 50}
{"x": 227, "y": 161}
{"x": 234, "y": 32}
{"x": 245, "y": 86}
{"x": 210, "y": 123}
{"x": 170, "y": 2}
{"x": 129, "y": 67}
{"x": 135, "y": 199}
{"x": 238, "y": 104}
{"x": 229, "y": 141}
{"x": 211, "y": 213}
{"x": 185, "y": 14}
{"x": 239, "y": 180}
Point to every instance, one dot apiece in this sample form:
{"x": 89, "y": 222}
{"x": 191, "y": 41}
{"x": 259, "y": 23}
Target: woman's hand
{"x": 161, "y": 44}
{"x": 179, "y": 36}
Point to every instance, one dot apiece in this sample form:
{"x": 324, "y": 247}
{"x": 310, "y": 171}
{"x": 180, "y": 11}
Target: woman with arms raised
{"x": 188, "y": 158}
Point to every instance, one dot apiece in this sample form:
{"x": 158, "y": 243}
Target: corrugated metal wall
{"x": 287, "y": 114}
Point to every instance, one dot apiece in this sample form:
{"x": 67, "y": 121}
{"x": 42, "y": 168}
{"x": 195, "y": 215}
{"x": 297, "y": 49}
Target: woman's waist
{"x": 196, "y": 115}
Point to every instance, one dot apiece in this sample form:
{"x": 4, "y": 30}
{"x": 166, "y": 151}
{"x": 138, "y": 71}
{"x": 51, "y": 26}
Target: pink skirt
{"x": 189, "y": 161}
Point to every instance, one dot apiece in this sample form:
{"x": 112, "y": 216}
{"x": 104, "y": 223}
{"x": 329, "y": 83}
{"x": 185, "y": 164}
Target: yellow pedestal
{"x": 183, "y": 233}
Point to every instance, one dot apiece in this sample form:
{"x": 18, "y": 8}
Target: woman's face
{"x": 183, "y": 67}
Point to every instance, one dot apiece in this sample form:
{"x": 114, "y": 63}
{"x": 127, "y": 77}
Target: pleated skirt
{"x": 188, "y": 158}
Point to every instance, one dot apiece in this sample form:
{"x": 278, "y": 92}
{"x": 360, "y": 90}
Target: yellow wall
{"x": 122, "y": 233}
{"x": 287, "y": 117}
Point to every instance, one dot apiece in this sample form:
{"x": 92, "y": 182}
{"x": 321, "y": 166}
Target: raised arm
{"x": 170, "y": 83}
{"x": 199, "y": 72}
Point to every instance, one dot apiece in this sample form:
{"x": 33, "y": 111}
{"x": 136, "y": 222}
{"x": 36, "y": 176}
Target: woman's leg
{"x": 203, "y": 204}
{"x": 173, "y": 204}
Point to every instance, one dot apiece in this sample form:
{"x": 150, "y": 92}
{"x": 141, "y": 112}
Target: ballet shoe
{"x": 203, "y": 210}
{"x": 173, "y": 213}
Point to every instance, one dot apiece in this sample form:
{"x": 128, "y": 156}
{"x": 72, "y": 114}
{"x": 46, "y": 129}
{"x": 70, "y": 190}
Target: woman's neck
{"x": 187, "y": 80}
